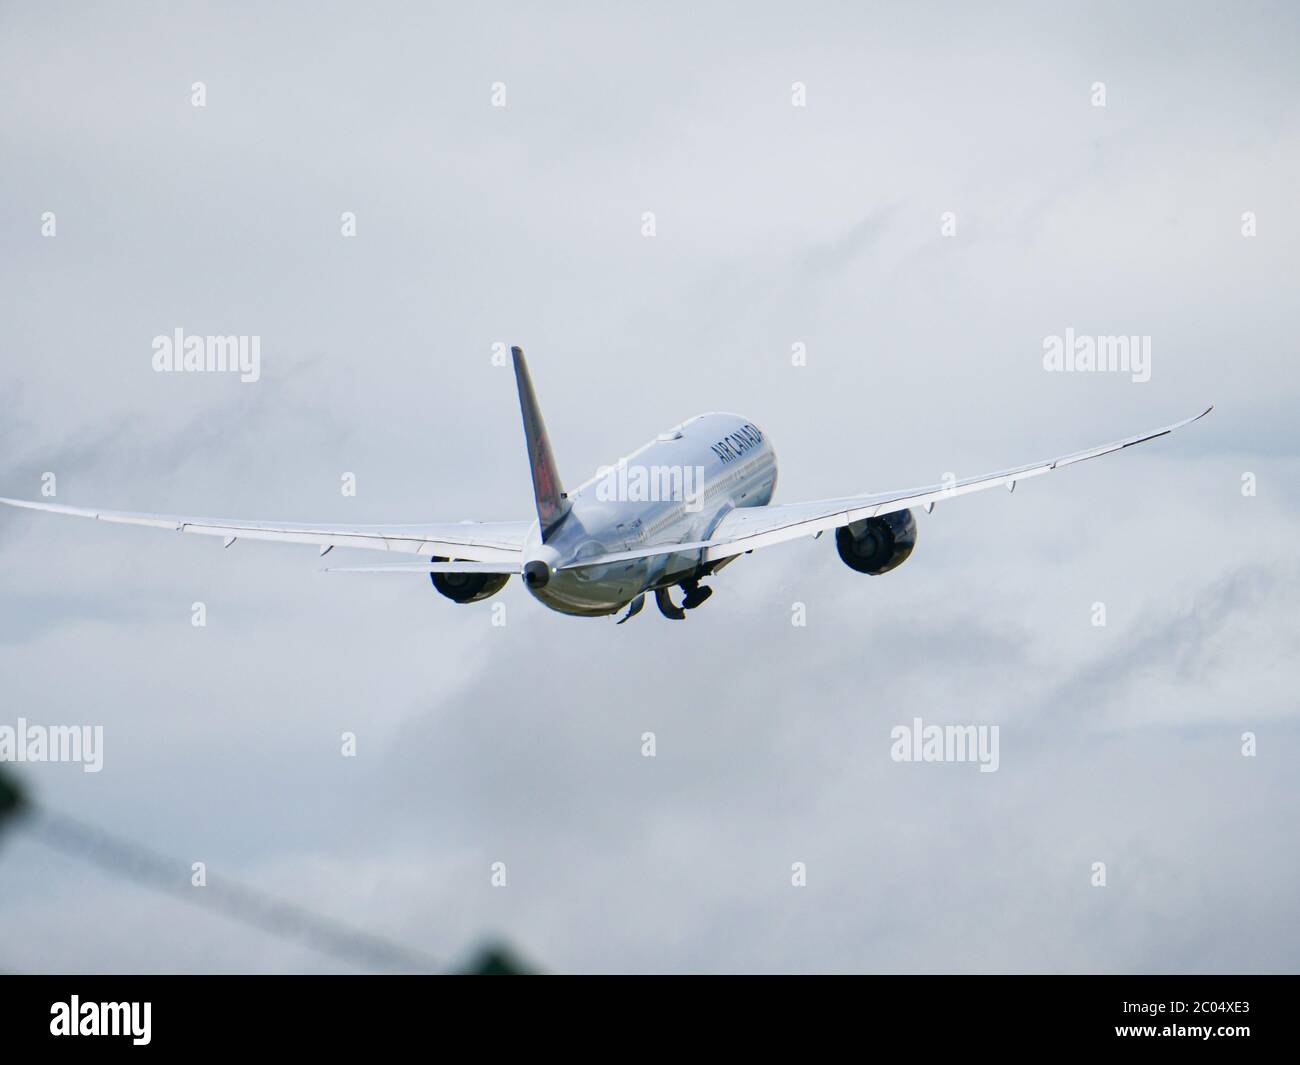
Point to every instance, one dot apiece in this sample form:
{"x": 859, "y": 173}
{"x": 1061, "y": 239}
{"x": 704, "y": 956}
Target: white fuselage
{"x": 673, "y": 490}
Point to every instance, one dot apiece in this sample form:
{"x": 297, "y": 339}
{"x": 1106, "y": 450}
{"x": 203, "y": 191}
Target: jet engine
{"x": 877, "y": 545}
{"x": 467, "y": 587}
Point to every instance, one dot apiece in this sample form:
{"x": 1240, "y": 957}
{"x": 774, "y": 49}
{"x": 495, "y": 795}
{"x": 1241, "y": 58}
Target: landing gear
{"x": 695, "y": 596}
{"x": 634, "y": 608}
{"x": 665, "y": 604}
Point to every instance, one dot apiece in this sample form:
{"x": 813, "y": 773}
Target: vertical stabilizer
{"x": 552, "y": 505}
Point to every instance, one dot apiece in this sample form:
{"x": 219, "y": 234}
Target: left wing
{"x": 749, "y": 528}
{"x": 481, "y": 541}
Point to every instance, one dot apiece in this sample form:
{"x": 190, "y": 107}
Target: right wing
{"x": 749, "y": 528}
{"x": 472, "y": 541}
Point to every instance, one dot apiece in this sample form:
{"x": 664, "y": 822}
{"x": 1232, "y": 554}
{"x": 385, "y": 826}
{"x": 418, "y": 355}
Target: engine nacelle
{"x": 467, "y": 587}
{"x": 877, "y": 545}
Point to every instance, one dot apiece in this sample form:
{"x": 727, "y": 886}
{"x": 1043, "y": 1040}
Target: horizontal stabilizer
{"x": 429, "y": 567}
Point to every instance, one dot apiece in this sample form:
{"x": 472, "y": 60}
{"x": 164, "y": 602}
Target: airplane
{"x": 672, "y": 513}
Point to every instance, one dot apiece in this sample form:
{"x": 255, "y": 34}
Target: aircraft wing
{"x": 482, "y": 541}
{"x": 749, "y": 528}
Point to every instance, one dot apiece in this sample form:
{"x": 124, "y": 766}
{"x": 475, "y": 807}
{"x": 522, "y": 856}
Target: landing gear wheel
{"x": 665, "y": 604}
{"x": 695, "y": 595}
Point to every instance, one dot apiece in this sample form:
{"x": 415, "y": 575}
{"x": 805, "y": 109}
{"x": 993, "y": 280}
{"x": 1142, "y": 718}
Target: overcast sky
{"x": 775, "y": 225}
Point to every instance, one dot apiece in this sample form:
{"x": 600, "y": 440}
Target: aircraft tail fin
{"x": 552, "y": 503}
